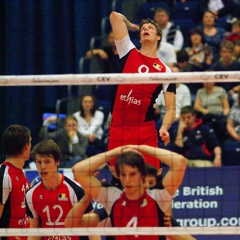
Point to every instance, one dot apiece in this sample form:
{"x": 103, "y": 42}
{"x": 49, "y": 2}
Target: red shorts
{"x": 124, "y": 135}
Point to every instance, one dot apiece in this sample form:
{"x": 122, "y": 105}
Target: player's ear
{"x": 159, "y": 172}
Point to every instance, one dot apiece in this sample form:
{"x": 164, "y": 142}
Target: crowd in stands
{"x": 209, "y": 46}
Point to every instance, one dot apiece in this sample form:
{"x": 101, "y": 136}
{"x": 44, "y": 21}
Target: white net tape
{"x": 105, "y": 79}
{"x": 135, "y": 78}
{"x": 107, "y": 231}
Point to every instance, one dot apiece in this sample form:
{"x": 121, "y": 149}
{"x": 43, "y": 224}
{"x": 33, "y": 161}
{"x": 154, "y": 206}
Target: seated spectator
{"x": 236, "y": 49}
{"x": 183, "y": 98}
{"x": 227, "y": 63}
{"x": 220, "y": 8}
{"x": 72, "y": 144}
{"x": 170, "y": 32}
{"x": 184, "y": 66}
{"x": 235, "y": 35}
{"x": 196, "y": 141}
{"x": 108, "y": 54}
{"x": 200, "y": 54}
{"x": 233, "y": 121}
{"x": 231, "y": 153}
{"x": 167, "y": 54}
{"x": 213, "y": 35}
{"x": 213, "y": 105}
{"x": 90, "y": 124}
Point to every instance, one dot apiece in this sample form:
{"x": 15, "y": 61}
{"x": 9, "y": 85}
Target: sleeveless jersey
{"x": 132, "y": 104}
{"x": 52, "y": 207}
{"x": 13, "y": 186}
{"x": 147, "y": 211}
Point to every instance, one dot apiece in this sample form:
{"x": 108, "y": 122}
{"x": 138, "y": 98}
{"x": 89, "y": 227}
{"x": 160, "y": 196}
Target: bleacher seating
{"x": 186, "y": 10}
{"x": 185, "y": 25}
{"x": 147, "y": 10}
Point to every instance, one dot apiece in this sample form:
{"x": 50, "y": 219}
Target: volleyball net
{"x": 209, "y": 198}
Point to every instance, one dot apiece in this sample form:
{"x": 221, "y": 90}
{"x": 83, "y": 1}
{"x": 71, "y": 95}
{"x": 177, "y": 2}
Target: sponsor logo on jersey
{"x": 130, "y": 99}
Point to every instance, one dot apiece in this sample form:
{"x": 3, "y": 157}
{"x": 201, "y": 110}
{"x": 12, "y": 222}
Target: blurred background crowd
{"x": 57, "y": 37}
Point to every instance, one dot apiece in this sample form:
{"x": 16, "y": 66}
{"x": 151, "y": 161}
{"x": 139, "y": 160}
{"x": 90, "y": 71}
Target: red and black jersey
{"x": 147, "y": 211}
{"x": 13, "y": 187}
{"x": 132, "y": 104}
{"x": 52, "y": 207}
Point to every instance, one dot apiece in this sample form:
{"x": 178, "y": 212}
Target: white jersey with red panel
{"x": 13, "y": 187}
{"x": 52, "y": 207}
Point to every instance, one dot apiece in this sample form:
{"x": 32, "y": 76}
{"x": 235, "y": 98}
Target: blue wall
{"x": 42, "y": 37}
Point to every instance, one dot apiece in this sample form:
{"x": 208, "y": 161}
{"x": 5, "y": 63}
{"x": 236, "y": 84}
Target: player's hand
{"x": 102, "y": 54}
{"x": 167, "y": 220}
{"x": 134, "y": 27}
{"x": 164, "y": 136}
{"x": 217, "y": 161}
{"x": 91, "y": 137}
{"x": 181, "y": 125}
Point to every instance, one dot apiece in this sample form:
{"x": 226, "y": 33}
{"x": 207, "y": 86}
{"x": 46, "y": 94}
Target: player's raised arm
{"x": 175, "y": 162}
{"x": 83, "y": 171}
{"x": 121, "y": 25}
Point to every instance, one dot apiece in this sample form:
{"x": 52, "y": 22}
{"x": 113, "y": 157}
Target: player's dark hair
{"x": 159, "y": 31}
{"x": 94, "y": 108}
{"x": 151, "y": 170}
{"x": 47, "y": 148}
{"x": 14, "y": 138}
{"x": 132, "y": 159}
{"x": 187, "y": 109}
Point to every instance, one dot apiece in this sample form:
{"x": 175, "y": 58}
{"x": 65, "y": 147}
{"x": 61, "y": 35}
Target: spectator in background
{"x": 167, "y": 54}
{"x": 184, "y": 66}
{"x": 227, "y": 63}
{"x": 108, "y": 54}
{"x": 213, "y": 105}
{"x": 235, "y": 35}
{"x": 170, "y": 32}
{"x": 200, "y": 54}
{"x": 236, "y": 49}
{"x": 90, "y": 124}
{"x": 183, "y": 98}
{"x": 196, "y": 141}
{"x": 110, "y": 59}
{"x": 233, "y": 121}
{"x": 72, "y": 144}
{"x": 213, "y": 35}
{"x": 16, "y": 141}
{"x": 220, "y": 8}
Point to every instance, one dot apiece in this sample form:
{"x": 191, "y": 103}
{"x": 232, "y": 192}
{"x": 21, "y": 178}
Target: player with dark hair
{"x": 134, "y": 206}
{"x": 16, "y": 140}
{"x": 50, "y": 200}
{"x": 132, "y": 110}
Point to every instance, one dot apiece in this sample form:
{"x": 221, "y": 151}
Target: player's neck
{"x": 52, "y": 183}
{"x": 136, "y": 195}
{"x": 17, "y": 162}
{"x": 148, "y": 50}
